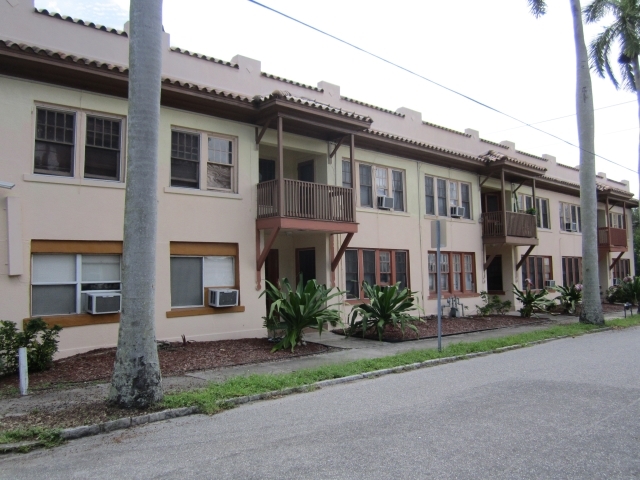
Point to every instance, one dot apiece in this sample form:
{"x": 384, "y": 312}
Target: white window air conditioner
{"x": 550, "y": 284}
{"x": 574, "y": 227}
{"x": 457, "y": 212}
{"x": 616, "y": 282}
{"x": 385, "y": 203}
{"x": 100, "y": 303}
{"x": 223, "y": 297}
{"x": 570, "y": 227}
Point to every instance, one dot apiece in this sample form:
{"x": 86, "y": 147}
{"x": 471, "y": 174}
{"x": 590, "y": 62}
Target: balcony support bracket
{"x": 343, "y": 247}
{"x": 261, "y": 257}
{"x": 485, "y": 179}
{"x": 260, "y": 133}
{"x": 518, "y": 187}
{"x": 489, "y": 260}
{"x": 524, "y": 257}
{"x": 615, "y": 261}
{"x": 338, "y": 145}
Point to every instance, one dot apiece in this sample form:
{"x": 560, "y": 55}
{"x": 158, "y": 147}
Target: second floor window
{"x": 102, "y": 148}
{"x": 441, "y": 195}
{"x": 570, "y": 218}
{"x": 185, "y": 160}
{"x": 388, "y": 183}
{"x": 347, "y": 181}
{"x": 525, "y": 202}
{"x": 616, "y": 220}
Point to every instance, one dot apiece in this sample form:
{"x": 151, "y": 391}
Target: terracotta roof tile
{"x": 214, "y": 91}
{"x": 422, "y": 144}
{"x": 531, "y": 155}
{"x": 77, "y": 21}
{"x": 493, "y": 156}
{"x": 284, "y": 95}
{"x": 484, "y": 140}
{"x": 567, "y": 166}
{"x": 62, "y": 56}
{"x": 368, "y": 105}
{"x": 291, "y": 82}
{"x": 203, "y": 57}
{"x": 446, "y": 129}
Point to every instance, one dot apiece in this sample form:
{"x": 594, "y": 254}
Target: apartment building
{"x": 260, "y": 178}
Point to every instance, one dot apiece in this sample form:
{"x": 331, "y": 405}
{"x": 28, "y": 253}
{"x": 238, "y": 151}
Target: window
{"x": 525, "y": 202}
{"x": 616, "y": 220}
{"x": 57, "y": 145}
{"x": 388, "y": 183}
{"x": 538, "y": 270}
{"x": 621, "y": 269}
{"x": 570, "y": 218}
{"x": 571, "y": 271}
{"x": 457, "y": 272}
{"x": 194, "y": 267}
{"x": 376, "y": 267}
{"x": 447, "y": 193}
{"x": 218, "y": 161}
{"x": 347, "y": 181}
{"x": 60, "y": 282}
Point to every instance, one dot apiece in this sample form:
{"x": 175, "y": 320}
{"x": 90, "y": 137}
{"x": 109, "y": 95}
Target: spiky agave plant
{"x": 569, "y": 297}
{"x": 388, "y": 305}
{"x": 294, "y": 309}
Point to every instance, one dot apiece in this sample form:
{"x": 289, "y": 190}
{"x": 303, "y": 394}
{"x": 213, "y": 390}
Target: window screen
{"x": 55, "y": 138}
{"x": 186, "y": 282}
{"x": 185, "y": 159}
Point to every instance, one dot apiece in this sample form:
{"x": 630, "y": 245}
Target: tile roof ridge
{"x": 287, "y": 96}
{"x": 457, "y": 132}
{"x": 201, "y": 56}
{"x": 291, "y": 82}
{"x": 368, "y": 105}
{"x": 78, "y": 21}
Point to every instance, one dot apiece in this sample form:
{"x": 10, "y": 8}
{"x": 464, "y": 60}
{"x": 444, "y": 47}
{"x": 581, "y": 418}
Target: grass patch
{"x": 211, "y": 398}
{"x": 49, "y": 437}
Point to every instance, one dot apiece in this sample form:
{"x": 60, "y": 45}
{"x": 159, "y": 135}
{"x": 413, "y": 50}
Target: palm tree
{"x": 136, "y": 380}
{"x": 591, "y": 306}
{"x": 624, "y": 31}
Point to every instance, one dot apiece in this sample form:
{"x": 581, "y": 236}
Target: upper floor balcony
{"x": 306, "y": 206}
{"x": 612, "y": 239}
{"x": 510, "y": 228}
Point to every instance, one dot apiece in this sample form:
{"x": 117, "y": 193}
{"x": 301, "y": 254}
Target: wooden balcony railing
{"x": 518, "y": 225}
{"x": 313, "y": 201}
{"x": 609, "y": 237}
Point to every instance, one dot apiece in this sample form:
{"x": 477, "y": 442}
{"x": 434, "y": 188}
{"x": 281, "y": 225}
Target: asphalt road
{"x": 565, "y": 409}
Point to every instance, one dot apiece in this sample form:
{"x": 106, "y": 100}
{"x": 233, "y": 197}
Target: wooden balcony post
{"x": 280, "y": 169}
{"x": 606, "y": 212}
{"x": 535, "y": 205}
{"x": 352, "y": 148}
{"x": 504, "y": 203}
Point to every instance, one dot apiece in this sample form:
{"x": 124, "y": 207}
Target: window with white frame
{"x": 190, "y": 275}
{"x": 525, "y": 204}
{"x": 194, "y": 167}
{"x": 389, "y": 182}
{"x": 347, "y": 181}
{"x": 441, "y": 194}
{"x": 570, "y": 220}
{"x": 616, "y": 220}
{"x": 60, "y": 282}
{"x": 58, "y": 143}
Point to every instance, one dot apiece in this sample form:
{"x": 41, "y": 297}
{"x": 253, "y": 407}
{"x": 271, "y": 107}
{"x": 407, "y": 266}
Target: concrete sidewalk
{"x": 352, "y": 348}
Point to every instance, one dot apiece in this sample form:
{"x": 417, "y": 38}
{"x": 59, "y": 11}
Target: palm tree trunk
{"x": 136, "y": 378}
{"x": 591, "y": 306}
{"x": 636, "y": 81}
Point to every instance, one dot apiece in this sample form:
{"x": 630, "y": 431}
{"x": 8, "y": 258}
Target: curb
{"x": 127, "y": 422}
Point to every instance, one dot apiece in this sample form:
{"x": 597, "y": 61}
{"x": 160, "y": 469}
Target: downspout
{"x": 420, "y": 237}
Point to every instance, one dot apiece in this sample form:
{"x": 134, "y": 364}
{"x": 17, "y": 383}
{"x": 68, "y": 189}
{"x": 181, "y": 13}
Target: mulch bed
{"x": 175, "y": 359}
{"x": 613, "y": 308}
{"x": 450, "y": 326}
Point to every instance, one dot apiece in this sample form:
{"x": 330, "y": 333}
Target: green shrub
{"x": 492, "y": 304}
{"x": 297, "y": 309}
{"x": 569, "y": 298}
{"x": 532, "y": 301}
{"x": 40, "y": 340}
{"x": 387, "y": 305}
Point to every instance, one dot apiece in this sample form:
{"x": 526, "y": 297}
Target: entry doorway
{"x": 306, "y": 171}
{"x": 491, "y": 202}
{"x": 494, "y": 275}
{"x": 305, "y": 264}
{"x": 271, "y": 272}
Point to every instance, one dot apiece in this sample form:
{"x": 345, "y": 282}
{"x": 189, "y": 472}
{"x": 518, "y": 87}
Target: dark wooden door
{"x": 494, "y": 275}
{"x": 266, "y": 170}
{"x": 306, "y": 171}
{"x": 491, "y": 202}
{"x": 306, "y": 263}
{"x": 272, "y": 271}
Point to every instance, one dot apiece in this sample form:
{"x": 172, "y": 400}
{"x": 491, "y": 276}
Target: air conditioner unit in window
{"x": 550, "y": 284}
{"x": 223, "y": 297}
{"x": 385, "y": 203}
{"x": 616, "y": 282}
{"x": 457, "y": 212}
{"x": 570, "y": 227}
{"x": 99, "y": 303}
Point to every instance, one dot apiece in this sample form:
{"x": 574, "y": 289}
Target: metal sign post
{"x": 438, "y": 285}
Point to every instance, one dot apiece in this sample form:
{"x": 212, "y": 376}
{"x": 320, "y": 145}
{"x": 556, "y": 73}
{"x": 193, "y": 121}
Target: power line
{"x": 559, "y": 118}
{"x": 411, "y": 72}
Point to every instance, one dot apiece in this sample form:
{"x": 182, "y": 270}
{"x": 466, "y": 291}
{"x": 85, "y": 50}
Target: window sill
{"x": 570, "y": 233}
{"x": 85, "y": 182}
{"x": 457, "y": 220}
{"x": 382, "y": 212}
{"x": 192, "y": 312}
{"x": 77, "y": 320}
{"x": 449, "y": 295}
{"x": 202, "y": 193}
{"x": 544, "y": 230}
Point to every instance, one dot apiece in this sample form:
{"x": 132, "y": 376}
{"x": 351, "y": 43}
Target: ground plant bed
{"x": 450, "y": 326}
{"x": 175, "y": 359}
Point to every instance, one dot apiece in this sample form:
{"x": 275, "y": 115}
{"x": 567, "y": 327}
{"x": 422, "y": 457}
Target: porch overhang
{"x": 510, "y": 240}
{"x": 303, "y": 224}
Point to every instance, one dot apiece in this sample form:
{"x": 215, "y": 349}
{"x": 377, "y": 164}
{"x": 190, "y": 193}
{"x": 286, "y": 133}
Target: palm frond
{"x": 598, "y": 9}
{"x": 537, "y": 7}
{"x": 599, "y": 52}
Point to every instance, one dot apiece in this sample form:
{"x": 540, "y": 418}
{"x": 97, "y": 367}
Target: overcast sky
{"x": 493, "y": 51}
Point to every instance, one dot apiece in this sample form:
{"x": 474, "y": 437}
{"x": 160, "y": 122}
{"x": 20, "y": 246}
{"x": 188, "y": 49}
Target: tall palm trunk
{"x": 636, "y": 82}
{"x": 136, "y": 378}
{"x": 591, "y": 306}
